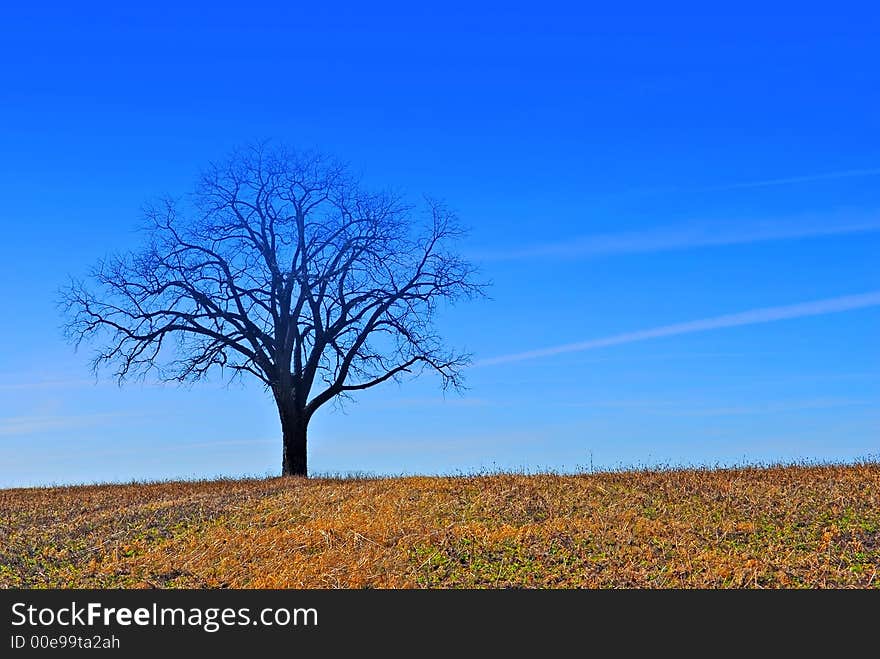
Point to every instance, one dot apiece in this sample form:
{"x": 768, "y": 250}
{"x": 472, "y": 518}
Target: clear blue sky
{"x": 620, "y": 172}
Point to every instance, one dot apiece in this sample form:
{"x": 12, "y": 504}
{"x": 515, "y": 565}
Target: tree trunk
{"x": 294, "y": 430}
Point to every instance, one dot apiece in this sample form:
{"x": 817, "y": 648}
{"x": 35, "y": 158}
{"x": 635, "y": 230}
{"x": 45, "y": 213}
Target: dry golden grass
{"x": 815, "y": 526}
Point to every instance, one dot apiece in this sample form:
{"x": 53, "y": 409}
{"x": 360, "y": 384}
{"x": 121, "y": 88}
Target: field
{"x": 789, "y": 527}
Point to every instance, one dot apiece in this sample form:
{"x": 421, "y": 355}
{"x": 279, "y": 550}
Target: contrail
{"x": 753, "y": 317}
{"x": 809, "y": 178}
{"x": 686, "y": 236}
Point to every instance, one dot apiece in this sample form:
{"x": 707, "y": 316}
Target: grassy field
{"x": 806, "y": 526}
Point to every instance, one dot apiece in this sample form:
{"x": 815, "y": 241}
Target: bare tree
{"x": 284, "y": 268}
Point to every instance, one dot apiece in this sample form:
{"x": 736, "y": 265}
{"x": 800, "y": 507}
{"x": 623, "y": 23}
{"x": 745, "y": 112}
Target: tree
{"x": 281, "y": 267}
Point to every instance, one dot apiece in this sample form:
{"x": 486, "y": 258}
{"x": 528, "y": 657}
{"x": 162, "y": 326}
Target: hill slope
{"x": 774, "y": 527}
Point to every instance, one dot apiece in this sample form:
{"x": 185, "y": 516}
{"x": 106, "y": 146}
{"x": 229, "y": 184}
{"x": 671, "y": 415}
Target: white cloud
{"x": 808, "y": 178}
{"x": 753, "y": 317}
{"x": 28, "y": 425}
{"x": 46, "y": 384}
{"x": 689, "y": 236}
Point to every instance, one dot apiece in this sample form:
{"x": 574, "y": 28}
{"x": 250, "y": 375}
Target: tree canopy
{"x": 280, "y": 266}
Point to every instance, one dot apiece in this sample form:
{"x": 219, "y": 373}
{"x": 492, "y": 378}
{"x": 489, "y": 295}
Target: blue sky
{"x": 680, "y": 213}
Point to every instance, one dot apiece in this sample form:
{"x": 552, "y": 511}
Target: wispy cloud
{"x": 28, "y": 425}
{"x": 688, "y": 236}
{"x": 45, "y": 384}
{"x": 691, "y": 408}
{"x": 753, "y": 317}
{"x": 790, "y": 180}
